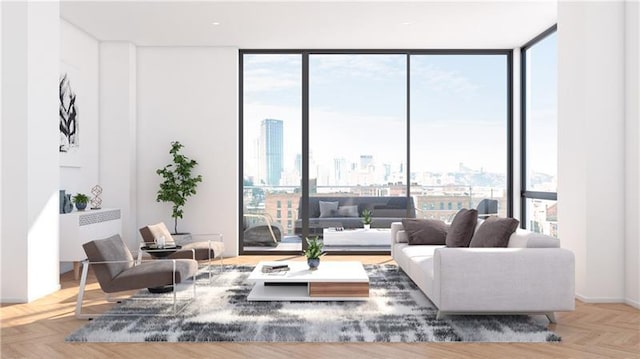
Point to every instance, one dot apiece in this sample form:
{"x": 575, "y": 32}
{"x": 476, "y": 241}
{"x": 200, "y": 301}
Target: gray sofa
{"x": 385, "y": 210}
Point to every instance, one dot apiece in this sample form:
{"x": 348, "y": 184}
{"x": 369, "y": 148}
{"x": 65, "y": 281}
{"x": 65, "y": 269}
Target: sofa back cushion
{"x": 462, "y": 228}
{"x": 425, "y": 231}
{"x": 382, "y": 207}
{"x": 348, "y": 211}
{"x": 328, "y": 209}
{"x": 494, "y": 232}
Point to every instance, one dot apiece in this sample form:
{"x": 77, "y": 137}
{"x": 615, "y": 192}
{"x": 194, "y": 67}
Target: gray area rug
{"x": 397, "y": 311}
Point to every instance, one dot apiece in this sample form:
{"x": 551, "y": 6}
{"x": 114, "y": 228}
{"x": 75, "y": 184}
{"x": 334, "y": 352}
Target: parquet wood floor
{"x": 37, "y": 330}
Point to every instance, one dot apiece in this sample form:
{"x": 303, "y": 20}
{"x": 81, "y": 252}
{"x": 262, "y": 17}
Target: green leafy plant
{"x": 80, "y": 198}
{"x": 179, "y": 182}
{"x": 314, "y": 248}
{"x": 366, "y": 216}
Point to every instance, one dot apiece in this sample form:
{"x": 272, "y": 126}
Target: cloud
{"x": 264, "y": 73}
{"x": 262, "y": 80}
{"x": 332, "y": 68}
{"x": 441, "y": 80}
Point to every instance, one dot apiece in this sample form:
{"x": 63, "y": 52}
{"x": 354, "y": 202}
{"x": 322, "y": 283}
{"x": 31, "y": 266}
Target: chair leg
{"x": 552, "y": 317}
{"x": 175, "y": 290}
{"x": 83, "y": 283}
{"x": 209, "y": 263}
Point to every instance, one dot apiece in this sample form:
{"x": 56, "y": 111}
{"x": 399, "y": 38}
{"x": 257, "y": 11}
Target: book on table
{"x": 272, "y": 268}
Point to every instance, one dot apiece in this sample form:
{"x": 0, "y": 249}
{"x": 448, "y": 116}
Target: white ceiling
{"x": 306, "y": 24}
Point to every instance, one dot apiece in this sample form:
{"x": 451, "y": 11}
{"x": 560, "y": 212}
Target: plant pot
{"x": 313, "y": 263}
{"x": 81, "y": 206}
{"x": 367, "y": 227}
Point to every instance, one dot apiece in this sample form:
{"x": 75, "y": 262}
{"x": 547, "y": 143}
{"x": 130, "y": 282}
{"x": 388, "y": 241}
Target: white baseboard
{"x": 633, "y": 303}
{"x": 11, "y": 300}
{"x": 586, "y": 299}
{"x": 45, "y": 292}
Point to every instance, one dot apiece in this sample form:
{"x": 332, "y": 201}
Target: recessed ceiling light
{"x": 215, "y": 23}
{"x": 405, "y": 23}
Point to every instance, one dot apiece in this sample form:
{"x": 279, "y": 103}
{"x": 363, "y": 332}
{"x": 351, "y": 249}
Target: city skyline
{"x": 365, "y": 108}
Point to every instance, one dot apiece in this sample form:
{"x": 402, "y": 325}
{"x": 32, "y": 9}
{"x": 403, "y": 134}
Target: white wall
{"x": 190, "y": 94}
{"x": 79, "y": 58}
{"x": 2, "y": 169}
{"x": 30, "y": 66}
{"x": 591, "y": 157}
{"x": 632, "y": 163}
{"x": 118, "y": 123}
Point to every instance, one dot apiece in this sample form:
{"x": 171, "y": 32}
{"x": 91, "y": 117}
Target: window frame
{"x": 524, "y": 193}
{"x": 305, "y": 53}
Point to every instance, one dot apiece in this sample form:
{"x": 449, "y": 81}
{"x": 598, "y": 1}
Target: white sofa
{"x": 532, "y": 275}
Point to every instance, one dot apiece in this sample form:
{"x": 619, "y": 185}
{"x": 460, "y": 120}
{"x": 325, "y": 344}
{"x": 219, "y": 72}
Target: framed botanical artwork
{"x": 69, "y": 146}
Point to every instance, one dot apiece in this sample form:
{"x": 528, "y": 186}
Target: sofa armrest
{"x": 395, "y": 228}
{"x": 504, "y": 279}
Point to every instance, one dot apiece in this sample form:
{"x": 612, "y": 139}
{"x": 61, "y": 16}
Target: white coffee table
{"x": 357, "y": 237}
{"x": 339, "y": 281}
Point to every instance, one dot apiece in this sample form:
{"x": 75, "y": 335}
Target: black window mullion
{"x": 524, "y": 192}
{"x": 408, "y": 124}
{"x": 304, "y": 207}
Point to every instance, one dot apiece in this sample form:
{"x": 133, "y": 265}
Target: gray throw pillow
{"x": 348, "y": 211}
{"x": 462, "y": 227}
{"x": 425, "y": 231}
{"x": 328, "y": 209}
{"x": 494, "y": 232}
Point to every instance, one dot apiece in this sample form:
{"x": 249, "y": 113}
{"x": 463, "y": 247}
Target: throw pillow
{"x": 328, "y": 209}
{"x": 462, "y": 227}
{"x": 494, "y": 232}
{"x": 425, "y": 231}
{"x": 160, "y": 229}
{"x": 348, "y": 211}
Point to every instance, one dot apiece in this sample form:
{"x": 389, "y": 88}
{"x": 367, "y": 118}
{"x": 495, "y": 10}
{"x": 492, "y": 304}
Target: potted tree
{"x": 179, "y": 182}
{"x": 81, "y": 201}
{"x": 366, "y": 218}
{"x": 313, "y": 252}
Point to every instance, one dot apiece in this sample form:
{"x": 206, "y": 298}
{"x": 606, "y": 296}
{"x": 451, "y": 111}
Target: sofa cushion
{"x": 328, "y": 209}
{"x": 425, "y": 231}
{"x": 418, "y": 251}
{"x": 462, "y": 228}
{"x": 494, "y": 232}
{"x": 348, "y": 211}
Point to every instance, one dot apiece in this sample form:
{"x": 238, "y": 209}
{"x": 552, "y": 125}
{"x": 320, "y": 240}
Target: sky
{"x": 357, "y": 106}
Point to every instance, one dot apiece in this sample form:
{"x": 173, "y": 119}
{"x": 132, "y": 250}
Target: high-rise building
{"x": 271, "y": 150}
{"x": 298, "y": 164}
{"x": 340, "y": 169}
{"x": 366, "y": 161}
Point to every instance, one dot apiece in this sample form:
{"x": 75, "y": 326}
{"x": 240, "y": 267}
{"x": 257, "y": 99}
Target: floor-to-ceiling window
{"x": 540, "y": 134}
{"x": 402, "y": 133}
{"x": 357, "y": 144}
{"x": 271, "y": 149}
{"x": 459, "y": 131}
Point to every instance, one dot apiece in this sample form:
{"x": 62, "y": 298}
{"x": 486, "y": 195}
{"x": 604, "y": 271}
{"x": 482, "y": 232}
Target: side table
{"x": 160, "y": 252}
